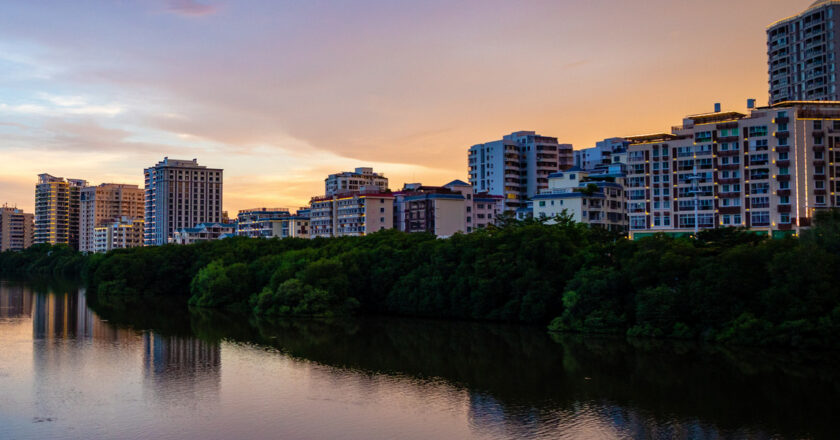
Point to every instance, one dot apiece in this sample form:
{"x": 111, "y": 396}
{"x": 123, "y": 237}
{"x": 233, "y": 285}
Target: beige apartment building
{"x": 17, "y": 229}
{"x": 351, "y": 214}
{"x": 768, "y": 170}
{"x": 125, "y": 232}
{"x": 102, "y": 205}
{"x": 57, "y": 210}
{"x": 357, "y": 180}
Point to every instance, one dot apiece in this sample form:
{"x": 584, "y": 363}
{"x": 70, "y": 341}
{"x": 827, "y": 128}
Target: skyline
{"x": 281, "y": 94}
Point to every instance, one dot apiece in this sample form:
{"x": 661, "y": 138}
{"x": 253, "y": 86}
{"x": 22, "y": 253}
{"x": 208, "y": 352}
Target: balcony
{"x": 783, "y": 193}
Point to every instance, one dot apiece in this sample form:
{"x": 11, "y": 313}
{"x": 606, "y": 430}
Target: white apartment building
{"x": 517, "y": 166}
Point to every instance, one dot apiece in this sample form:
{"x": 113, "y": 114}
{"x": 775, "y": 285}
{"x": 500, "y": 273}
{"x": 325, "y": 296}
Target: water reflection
{"x": 158, "y": 371}
{"x": 181, "y": 367}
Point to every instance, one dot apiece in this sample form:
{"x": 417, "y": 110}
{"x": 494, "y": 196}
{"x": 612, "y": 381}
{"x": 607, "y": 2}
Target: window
{"x": 784, "y": 200}
{"x": 819, "y": 184}
{"x": 820, "y": 200}
{"x": 760, "y": 218}
{"x": 759, "y": 130}
{"x": 817, "y": 125}
{"x": 784, "y": 218}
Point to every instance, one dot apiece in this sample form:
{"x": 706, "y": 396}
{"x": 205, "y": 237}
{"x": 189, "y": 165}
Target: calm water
{"x": 69, "y": 372}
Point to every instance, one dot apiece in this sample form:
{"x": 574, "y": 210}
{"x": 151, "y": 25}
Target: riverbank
{"x": 727, "y": 286}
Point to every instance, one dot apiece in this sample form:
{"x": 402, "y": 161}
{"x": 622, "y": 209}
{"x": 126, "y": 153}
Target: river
{"x": 73, "y": 370}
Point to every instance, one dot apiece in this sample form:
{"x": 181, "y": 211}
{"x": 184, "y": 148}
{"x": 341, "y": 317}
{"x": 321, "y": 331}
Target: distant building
{"x": 433, "y": 209}
{"x": 351, "y": 214}
{"x": 594, "y": 199}
{"x": 357, "y": 180}
{"x": 482, "y": 209}
{"x": 17, "y": 229}
{"x": 180, "y": 194}
{"x": 517, "y": 166}
{"x": 123, "y": 233}
{"x": 604, "y": 153}
{"x": 57, "y": 210}
{"x": 204, "y": 232}
{"x": 102, "y": 205}
{"x": 802, "y": 55}
{"x": 272, "y": 222}
{"x": 258, "y": 222}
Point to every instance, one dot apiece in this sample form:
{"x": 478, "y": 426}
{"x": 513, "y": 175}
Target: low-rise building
{"x": 354, "y": 213}
{"x": 17, "y": 229}
{"x": 259, "y": 222}
{"x": 594, "y": 199}
{"x": 127, "y": 232}
{"x": 434, "y": 209}
{"x": 204, "y": 232}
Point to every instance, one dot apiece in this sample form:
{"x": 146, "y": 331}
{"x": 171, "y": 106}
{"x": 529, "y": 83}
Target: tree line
{"x": 727, "y": 285}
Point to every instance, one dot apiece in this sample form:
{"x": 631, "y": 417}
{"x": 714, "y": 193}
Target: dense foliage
{"x": 727, "y": 285}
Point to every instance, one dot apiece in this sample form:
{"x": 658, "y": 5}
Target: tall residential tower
{"x": 802, "y": 54}
{"x": 57, "y": 210}
{"x": 180, "y": 194}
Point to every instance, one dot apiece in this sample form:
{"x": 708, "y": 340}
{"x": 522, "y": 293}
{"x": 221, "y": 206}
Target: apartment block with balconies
{"x": 354, "y": 213}
{"x": 17, "y": 229}
{"x": 180, "y": 194}
{"x": 802, "y": 54}
{"x": 768, "y": 171}
{"x": 57, "y": 202}
{"x": 356, "y": 180}
{"x": 104, "y": 204}
{"x": 517, "y": 166}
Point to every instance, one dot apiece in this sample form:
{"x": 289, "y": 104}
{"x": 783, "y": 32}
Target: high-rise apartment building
{"x": 180, "y": 194}
{"x": 57, "y": 210}
{"x": 517, "y": 166}
{"x": 349, "y": 181}
{"x": 17, "y": 229}
{"x": 802, "y": 54}
{"x": 103, "y": 204}
{"x": 767, "y": 171}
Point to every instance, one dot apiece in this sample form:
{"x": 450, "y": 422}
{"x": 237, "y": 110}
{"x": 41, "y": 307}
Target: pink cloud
{"x": 190, "y": 7}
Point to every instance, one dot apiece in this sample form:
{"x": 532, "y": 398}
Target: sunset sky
{"x": 282, "y": 93}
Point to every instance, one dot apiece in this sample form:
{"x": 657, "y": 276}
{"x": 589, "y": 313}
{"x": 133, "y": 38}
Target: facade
{"x": 351, "y": 214}
{"x": 57, "y": 210}
{"x": 481, "y": 210}
{"x": 272, "y": 222}
{"x": 103, "y": 204}
{"x": 125, "y": 232}
{"x": 204, "y": 232}
{"x": 180, "y": 194}
{"x": 603, "y": 154}
{"x": 517, "y": 166}
{"x": 258, "y": 222}
{"x": 591, "y": 198}
{"x": 17, "y": 229}
{"x": 768, "y": 171}
{"x": 350, "y": 181}
{"x": 433, "y": 209}
{"x": 802, "y": 53}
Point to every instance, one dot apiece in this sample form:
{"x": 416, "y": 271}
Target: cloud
{"x": 190, "y": 7}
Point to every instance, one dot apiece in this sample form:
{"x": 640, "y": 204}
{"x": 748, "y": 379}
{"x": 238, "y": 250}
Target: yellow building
{"x": 57, "y": 210}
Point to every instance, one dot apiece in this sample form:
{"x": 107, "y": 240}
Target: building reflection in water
{"x": 15, "y": 301}
{"x": 65, "y": 315}
{"x": 181, "y": 369}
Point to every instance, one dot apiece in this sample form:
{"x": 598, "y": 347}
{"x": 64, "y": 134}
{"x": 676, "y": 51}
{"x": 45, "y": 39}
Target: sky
{"x": 281, "y": 93}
